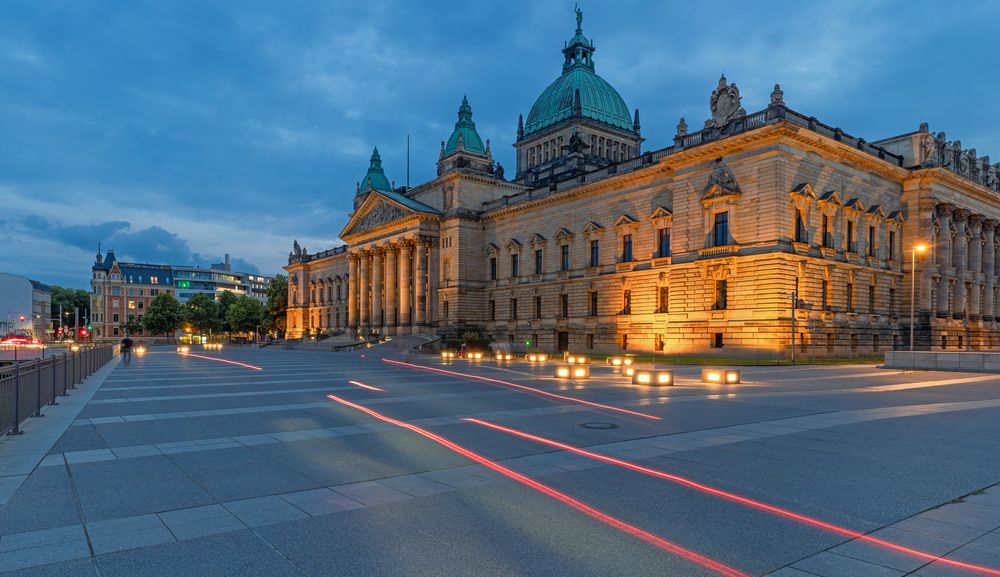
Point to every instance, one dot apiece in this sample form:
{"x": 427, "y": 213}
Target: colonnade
{"x": 391, "y": 286}
{"x": 965, "y": 259}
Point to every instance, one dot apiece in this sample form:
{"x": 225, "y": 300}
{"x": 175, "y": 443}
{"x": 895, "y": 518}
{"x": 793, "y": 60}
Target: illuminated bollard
{"x": 501, "y": 357}
{"x": 662, "y": 377}
{"x": 627, "y": 370}
{"x": 475, "y": 356}
{"x": 183, "y": 349}
{"x": 573, "y": 372}
{"x": 720, "y": 376}
{"x": 577, "y": 359}
{"x": 536, "y": 357}
{"x": 447, "y": 355}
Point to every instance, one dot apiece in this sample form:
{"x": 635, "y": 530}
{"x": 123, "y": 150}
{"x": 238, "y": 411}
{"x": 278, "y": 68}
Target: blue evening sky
{"x": 179, "y": 130}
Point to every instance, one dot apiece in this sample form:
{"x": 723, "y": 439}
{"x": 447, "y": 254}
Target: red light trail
{"x": 523, "y": 387}
{"x": 739, "y": 499}
{"x": 221, "y": 361}
{"x": 364, "y": 386}
{"x": 642, "y": 534}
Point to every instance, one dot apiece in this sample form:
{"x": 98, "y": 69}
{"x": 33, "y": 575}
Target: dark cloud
{"x": 153, "y": 244}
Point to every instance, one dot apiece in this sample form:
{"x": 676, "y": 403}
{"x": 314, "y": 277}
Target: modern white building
{"x": 25, "y": 306}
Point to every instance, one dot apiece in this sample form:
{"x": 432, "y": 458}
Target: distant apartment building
{"x": 124, "y": 290}
{"x": 25, "y": 306}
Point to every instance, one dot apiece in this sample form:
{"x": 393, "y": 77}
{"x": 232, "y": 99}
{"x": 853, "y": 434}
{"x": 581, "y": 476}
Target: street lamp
{"x": 921, "y": 248}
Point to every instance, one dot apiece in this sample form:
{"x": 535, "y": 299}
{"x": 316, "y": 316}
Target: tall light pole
{"x": 921, "y": 248}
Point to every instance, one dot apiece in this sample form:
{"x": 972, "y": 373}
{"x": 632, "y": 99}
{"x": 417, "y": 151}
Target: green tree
{"x": 69, "y": 298}
{"x": 202, "y": 313}
{"x": 163, "y": 316}
{"x": 132, "y": 326}
{"x": 246, "y": 314}
{"x": 226, "y": 300}
{"x": 277, "y": 305}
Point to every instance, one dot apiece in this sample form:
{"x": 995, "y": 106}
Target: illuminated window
{"x": 131, "y": 304}
{"x": 154, "y": 280}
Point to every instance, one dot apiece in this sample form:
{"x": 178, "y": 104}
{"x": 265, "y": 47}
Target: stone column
{"x": 352, "y": 292}
{"x": 975, "y": 265}
{"x": 377, "y": 310}
{"x": 419, "y": 285}
{"x": 405, "y": 284}
{"x": 363, "y": 288}
{"x": 943, "y": 251}
{"x": 433, "y": 280}
{"x": 961, "y": 262}
{"x": 391, "y": 302}
{"x": 989, "y": 257}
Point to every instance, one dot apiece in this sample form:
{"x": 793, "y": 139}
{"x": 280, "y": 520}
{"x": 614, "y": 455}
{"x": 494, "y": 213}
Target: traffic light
{"x": 89, "y": 328}
{"x": 84, "y": 332}
{"x": 21, "y": 318}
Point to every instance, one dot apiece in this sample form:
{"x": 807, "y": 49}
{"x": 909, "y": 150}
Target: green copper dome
{"x": 598, "y": 100}
{"x": 465, "y": 129}
{"x": 375, "y": 179}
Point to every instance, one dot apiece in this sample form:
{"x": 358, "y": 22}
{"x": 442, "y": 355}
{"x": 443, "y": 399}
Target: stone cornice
{"x": 962, "y": 184}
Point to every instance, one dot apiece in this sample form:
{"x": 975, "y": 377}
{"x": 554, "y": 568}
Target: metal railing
{"x": 25, "y": 387}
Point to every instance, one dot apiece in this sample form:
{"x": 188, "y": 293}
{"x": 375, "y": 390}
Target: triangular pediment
{"x": 592, "y": 227}
{"x": 377, "y": 210}
{"x": 896, "y": 216}
{"x": 804, "y": 189}
{"x": 660, "y": 212}
{"x": 624, "y": 220}
{"x": 876, "y": 211}
{"x": 563, "y": 233}
{"x": 855, "y": 204}
{"x": 717, "y": 192}
{"x": 832, "y": 197}
{"x": 513, "y": 243}
{"x": 492, "y": 248}
{"x": 536, "y": 239}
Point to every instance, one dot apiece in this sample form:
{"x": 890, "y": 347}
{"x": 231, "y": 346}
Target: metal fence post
{"x": 65, "y": 373}
{"x": 38, "y": 390}
{"x": 52, "y": 365}
{"x": 17, "y": 400}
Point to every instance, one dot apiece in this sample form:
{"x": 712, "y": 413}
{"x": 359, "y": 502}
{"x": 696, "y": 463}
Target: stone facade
{"x": 695, "y": 248}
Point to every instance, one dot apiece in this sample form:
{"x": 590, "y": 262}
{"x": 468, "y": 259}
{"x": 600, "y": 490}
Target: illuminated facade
{"x": 122, "y": 290}
{"x": 598, "y": 245}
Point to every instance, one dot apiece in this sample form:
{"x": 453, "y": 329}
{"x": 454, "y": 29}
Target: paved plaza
{"x": 184, "y": 465}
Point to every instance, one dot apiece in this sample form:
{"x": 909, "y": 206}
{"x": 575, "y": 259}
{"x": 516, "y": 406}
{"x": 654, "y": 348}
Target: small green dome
{"x": 375, "y": 179}
{"x": 465, "y": 129}
{"x": 598, "y": 99}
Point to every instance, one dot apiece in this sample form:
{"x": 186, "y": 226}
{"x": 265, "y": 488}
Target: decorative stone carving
{"x": 381, "y": 213}
{"x": 721, "y": 182}
{"x": 725, "y": 105}
{"x": 777, "y": 96}
{"x": 682, "y": 128}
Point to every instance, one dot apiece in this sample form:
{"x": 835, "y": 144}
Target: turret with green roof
{"x": 465, "y": 135}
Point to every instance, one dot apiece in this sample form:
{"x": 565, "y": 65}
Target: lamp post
{"x": 921, "y": 248}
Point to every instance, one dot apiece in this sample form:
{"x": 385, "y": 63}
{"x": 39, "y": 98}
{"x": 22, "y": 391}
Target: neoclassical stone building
{"x": 598, "y": 245}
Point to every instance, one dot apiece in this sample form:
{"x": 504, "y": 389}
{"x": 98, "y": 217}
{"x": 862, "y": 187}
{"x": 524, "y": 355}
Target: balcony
{"x": 719, "y": 251}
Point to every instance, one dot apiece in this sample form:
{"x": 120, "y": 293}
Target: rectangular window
{"x": 493, "y": 268}
{"x": 538, "y": 307}
{"x": 564, "y": 305}
{"x": 625, "y": 342}
{"x": 131, "y": 292}
{"x": 871, "y": 241}
{"x": 825, "y": 295}
{"x": 564, "y": 257}
{"x": 627, "y": 302}
{"x": 493, "y": 310}
{"x": 663, "y": 242}
{"x": 627, "y": 248}
{"x": 892, "y": 301}
{"x": 827, "y": 236}
{"x": 595, "y": 252}
{"x": 513, "y": 309}
{"x": 851, "y": 244}
{"x": 515, "y": 265}
{"x": 850, "y": 297}
{"x": 717, "y": 341}
{"x": 114, "y": 318}
{"x": 141, "y": 305}
{"x": 663, "y": 300}
{"x": 871, "y": 298}
{"x": 131, "y": 304}
{"x": 116, "y": 290}
{"x": 720, "y": 231}
{"x": 721, "y": 295}
{"x": 538, "y": 261}
{"x": 593, "y": 304}
{"x": 446, "y": 315}
{"x": 154, "y": 280}
{"x": 800, "y": 227}
{"x": 590, "y": 340}
{"x": 892, "y": 245}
